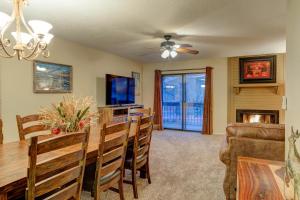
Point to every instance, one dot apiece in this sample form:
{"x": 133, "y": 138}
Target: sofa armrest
{"x": 224, "y": 153}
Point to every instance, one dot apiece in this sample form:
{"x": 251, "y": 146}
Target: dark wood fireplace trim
{"x": 240, "y": 112}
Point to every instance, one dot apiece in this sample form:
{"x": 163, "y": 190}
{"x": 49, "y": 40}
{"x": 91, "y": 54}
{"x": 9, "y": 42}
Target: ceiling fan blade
{"x": 184, "y": 50}
{"x": 183, "y": 45}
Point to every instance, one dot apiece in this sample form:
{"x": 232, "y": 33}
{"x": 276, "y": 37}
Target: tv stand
{"x": 116, "y": 113}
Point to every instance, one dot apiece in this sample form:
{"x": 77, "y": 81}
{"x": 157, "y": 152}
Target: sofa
{"x": 265, "y": 141}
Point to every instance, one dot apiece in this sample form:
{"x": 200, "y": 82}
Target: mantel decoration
{"x": 258, "y": 69}
{"x": 292, "y": 176}
{"x": 70, "y": 115}
{"x": 27, "y": 45}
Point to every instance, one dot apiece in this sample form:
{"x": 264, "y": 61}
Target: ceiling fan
{"x": 170, "y": 49}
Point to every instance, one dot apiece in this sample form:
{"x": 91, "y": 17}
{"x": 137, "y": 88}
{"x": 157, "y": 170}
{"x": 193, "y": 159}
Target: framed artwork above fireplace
{"x": 258, "y": 69}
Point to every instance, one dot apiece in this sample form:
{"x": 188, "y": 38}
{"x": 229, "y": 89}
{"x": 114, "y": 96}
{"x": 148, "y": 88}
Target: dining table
{"x": 14, "y": 161}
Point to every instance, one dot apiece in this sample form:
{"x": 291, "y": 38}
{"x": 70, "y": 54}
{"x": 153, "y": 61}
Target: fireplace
{"x": 257, "y": 116}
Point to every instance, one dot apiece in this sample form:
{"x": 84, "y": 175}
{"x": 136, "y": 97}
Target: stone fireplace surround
{"x": 254, "y": 116}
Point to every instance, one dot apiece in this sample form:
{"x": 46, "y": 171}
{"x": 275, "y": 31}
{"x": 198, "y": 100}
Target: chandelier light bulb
{"x": 165, "y": 54}
{"x": 4, "y": 19}
{"x": 40, "y": 27}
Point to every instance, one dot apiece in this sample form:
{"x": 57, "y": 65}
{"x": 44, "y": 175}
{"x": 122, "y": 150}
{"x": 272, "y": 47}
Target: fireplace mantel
{"x": 274, "y": 86}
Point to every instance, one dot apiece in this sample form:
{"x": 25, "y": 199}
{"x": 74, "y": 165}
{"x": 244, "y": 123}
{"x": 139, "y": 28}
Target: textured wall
{"x": 17, "y": 95}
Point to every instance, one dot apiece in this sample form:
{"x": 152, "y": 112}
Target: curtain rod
{"x": 170, "y": 70}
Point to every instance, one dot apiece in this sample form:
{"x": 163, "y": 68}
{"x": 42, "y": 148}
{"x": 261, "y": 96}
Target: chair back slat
{"x": 61, "y": 171}
{"x": 28, "y": 125}
{"x": 147, "y": 119}
{"x": 111, "y": 154}
{"x": 30, "y": 118}
{"x": 144, "y": 140}
{"x": 67, "y": 193}
{"x": 68, "y": 140}
{"x": 35, "y": 128}
{"x": 115, "y": 128}
{"x": 111, "y": 167}
{"x": 143, "y": 150}
{"x": 57, "y": 181}
{"x": 115, "y": 142}
{"x": 141, "y": 161}
{"x": 55, "y": 164}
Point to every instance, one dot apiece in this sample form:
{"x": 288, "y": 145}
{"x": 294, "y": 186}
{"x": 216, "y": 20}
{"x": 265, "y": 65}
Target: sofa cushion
{"x": 257, "y": 130}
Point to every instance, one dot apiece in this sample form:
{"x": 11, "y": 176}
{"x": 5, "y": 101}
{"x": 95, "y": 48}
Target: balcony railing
{"x": 172, "y": 115}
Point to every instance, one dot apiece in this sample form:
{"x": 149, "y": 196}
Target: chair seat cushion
{"x": 109, "y": 177}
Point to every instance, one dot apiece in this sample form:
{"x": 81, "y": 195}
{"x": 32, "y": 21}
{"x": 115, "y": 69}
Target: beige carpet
{"x": 184, "y": 166}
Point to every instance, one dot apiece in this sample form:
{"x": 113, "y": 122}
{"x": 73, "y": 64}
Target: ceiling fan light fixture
{"x": 165, "y": 54}
{"x": 173, "y": 53}
{"x": 176, "y": 46}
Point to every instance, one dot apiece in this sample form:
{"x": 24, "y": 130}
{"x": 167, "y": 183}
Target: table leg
{"x": 3, "y": 196}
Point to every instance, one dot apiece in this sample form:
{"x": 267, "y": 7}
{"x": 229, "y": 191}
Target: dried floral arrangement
{"x": 70, "y": 115}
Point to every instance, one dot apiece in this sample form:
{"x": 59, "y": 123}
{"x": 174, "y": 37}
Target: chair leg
{"x": 148, "y": 172}
{"x": 97, "y": 195}
{"x": 93, "y": 189}
{"x": 121, "y": 190}
{"x": 95, "y": 192}
{"x": 134, "y": 184}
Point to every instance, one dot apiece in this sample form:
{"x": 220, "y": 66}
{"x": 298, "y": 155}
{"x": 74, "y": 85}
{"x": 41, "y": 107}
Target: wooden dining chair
{"x": 139, "y": 158}
{"x": 1, "y": 132}
{"x": 143, "y": 111}
{"x": 28, "y": 125}
{"x": 56, "y": 167}
{"x": 111, "y": 157}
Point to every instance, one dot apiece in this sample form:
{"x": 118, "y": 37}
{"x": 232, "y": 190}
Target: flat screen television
{"x": 119, "y": 90}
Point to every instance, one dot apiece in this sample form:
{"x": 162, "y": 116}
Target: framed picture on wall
{"x": 52, "y": 77}
{"x": 137, "y": 81}
{"x": 258, "y": 69}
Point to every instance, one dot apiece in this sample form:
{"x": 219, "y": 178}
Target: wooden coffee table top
{"x": 260, "y": 179}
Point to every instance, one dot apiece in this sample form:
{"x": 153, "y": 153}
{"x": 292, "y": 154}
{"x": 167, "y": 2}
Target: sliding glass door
{"x": 182, "y": 100}
{"x": 172, "y": 101}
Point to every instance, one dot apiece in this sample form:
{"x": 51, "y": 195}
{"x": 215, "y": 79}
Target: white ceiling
{"x": 134, "y": 28}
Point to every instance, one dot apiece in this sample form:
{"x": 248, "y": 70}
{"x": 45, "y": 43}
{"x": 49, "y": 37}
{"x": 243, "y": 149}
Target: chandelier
{"x": 27, "y": 44}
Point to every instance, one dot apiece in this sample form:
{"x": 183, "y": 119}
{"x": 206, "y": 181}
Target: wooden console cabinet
{"x": 115, "y": 113}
